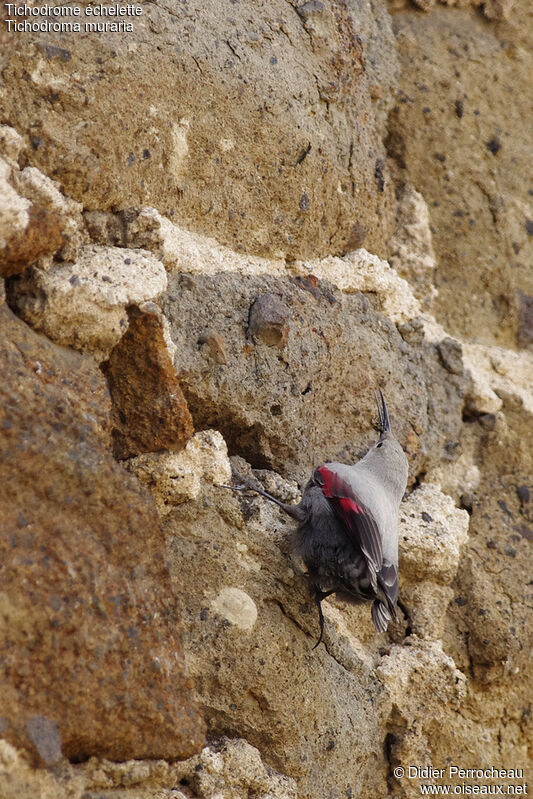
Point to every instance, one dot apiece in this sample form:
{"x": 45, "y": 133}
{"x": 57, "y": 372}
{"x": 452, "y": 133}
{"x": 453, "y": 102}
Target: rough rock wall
{"x": 182, "y": 215}
{"x": 460, "y": 133}
{"x": 270, "y": 103}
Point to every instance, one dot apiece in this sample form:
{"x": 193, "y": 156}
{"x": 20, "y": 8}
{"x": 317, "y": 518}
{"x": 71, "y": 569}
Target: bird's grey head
{"x": 387, "y": 458}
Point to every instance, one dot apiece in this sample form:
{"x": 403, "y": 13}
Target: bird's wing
{"x": 356, "y": 517}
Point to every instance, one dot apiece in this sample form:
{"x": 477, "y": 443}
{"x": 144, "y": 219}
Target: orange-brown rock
{"x": 149, "y": 410}
{"x": 90, "y": 650}
{"x": 42, "y": 236}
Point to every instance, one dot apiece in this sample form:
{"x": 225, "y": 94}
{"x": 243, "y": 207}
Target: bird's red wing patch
{"x": 349, "y": 506}
{"x": 357, "y": 519}
{"x": 327, "y": 478}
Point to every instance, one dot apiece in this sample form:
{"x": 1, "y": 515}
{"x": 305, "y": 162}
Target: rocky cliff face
{"x": 239, "y": 219}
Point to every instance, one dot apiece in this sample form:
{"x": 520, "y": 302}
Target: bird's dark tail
{"x": 380, "y": 616}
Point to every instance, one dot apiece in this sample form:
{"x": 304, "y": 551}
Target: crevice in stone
{"x": 387, "y": 747}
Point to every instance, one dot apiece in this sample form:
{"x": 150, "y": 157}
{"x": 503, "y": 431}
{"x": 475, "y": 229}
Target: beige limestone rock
{"x": 18, "y": 780}
{"x": 427, "y": 603}
{"x": 286, "y": 490}
{"x": 411, "y": 248}
{"x": 497, "y": 372}
{"x": 276, "y": 407}
{"x": 11, "y": 145}
{"x": 208, "y": 452}
{"x": 234, "y": 768}
{"x": 175, "y": 477}
{"x": 147, "y": 776}
{"x": 494, "y": 371}
{"x": 83, "y": 304}
{"x": 229, "y": 159}
{"x": 381, "y": 61}
{"x": 461, "y": 476}
{"x": 404, "y": 666}
{"x": 14, "y": 209}
{"x": 362, "y": 271}
{"x": 37, "y": 220}
{"x": 497, "y": 10}
{"x": 481, "y": 398}
{"x": 169, "y": 477}
{"x": 227, "y": 768}
{"x": 185, "y": 251}
{"x": 432, "y": 533}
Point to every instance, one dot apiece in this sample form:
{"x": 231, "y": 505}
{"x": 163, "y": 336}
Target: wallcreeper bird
{"x": 348, "y": 526}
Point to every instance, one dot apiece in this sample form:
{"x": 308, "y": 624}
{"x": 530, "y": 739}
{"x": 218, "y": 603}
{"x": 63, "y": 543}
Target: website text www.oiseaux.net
{"x": 478, "y": 784}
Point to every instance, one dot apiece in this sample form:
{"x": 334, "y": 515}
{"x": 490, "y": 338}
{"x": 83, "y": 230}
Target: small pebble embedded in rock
{"x": 269, "y": 320}
{"x": 237, "y": 607}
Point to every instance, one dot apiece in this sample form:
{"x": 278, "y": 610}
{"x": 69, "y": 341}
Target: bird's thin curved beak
{"x": 384, "y": 421}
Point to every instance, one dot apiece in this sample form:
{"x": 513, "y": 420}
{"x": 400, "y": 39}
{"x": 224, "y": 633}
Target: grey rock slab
{"x": 289, "y": 409}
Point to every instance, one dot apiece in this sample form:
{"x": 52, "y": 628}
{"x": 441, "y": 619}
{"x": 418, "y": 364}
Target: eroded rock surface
{"x": 251, "y": 123}
{"x": 458, "y": 135}
{"x": 175, "y": 477}
{"x": 91, "y": 661}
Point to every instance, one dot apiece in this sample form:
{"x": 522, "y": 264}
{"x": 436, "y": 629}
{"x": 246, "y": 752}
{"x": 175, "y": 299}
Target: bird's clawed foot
{"x": 319, "y": 596}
